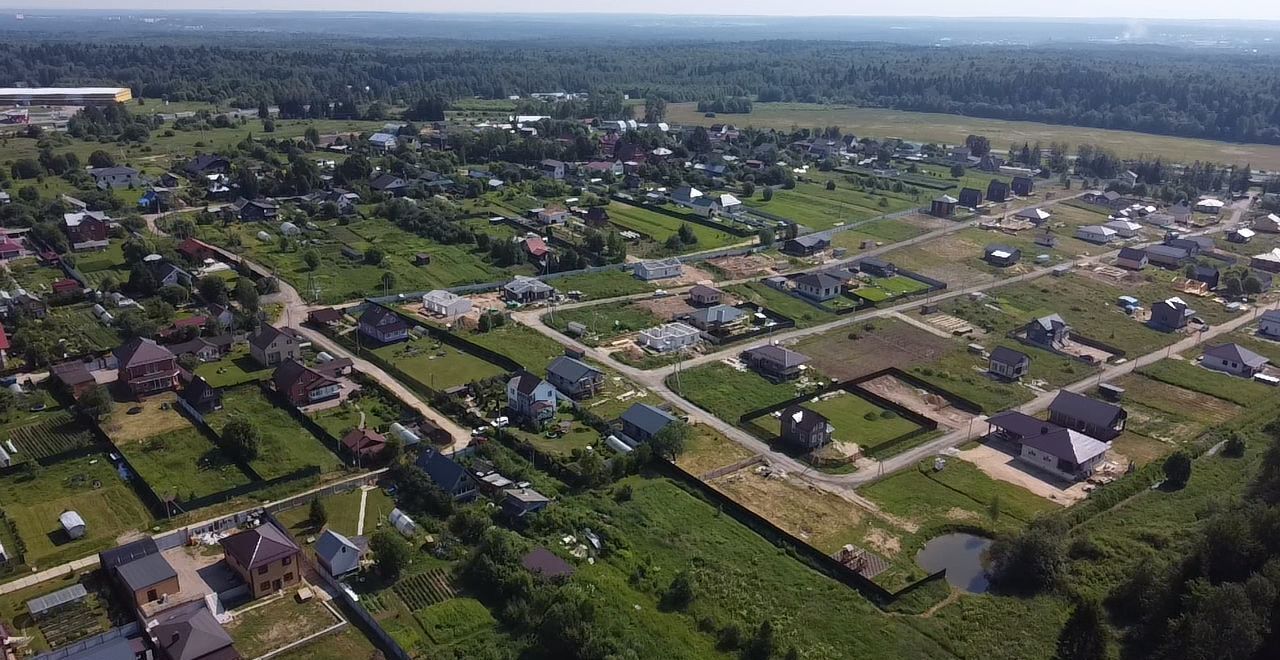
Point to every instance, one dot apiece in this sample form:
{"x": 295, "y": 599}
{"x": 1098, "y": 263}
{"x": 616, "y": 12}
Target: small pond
{"x": 961, "y": 555}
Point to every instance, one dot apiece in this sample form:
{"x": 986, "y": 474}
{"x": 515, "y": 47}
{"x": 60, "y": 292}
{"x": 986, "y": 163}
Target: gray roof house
{"x": 337, "y": 553}
{"x": 527, "y": 290}
{"x": 1064, "y": 453}
{"x": 190, "y": 632}
{"x": 775, "y": 362}
{"x": 1170, "y": 314}
{"x": 1233, "y": 359}
{"x": 1096, "y": 418}
{"x": 818, "y": 286}
{"x": 575, "y": 378}
{"x": 1170, "y": 256}
{"x": 1050, "y": 331}
{"x": 715, "y": 317}
{"x": 1008, "y": 363}
{"x": 805, "y": 246}
{"x": 446, "y": 473}
{"x": 804, "y": 428}
{"x": 642, "y": 421}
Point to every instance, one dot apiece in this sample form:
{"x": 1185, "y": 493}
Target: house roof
{"x": 118, "y": 170}
{"x": 387, "y": 181}
{"x": 1001, "y": 251}
{"x": 1078, "y": 406}
{"x": 381, "y": 317}
{"x": 204, "y": 161}
{"x": 818, "y": 280}
{"x": 804, "y": 419}
{"x": 571, "y": 369}
{"x": 1049, "y": 322}
{"x": 291, "y": 373}
{"x": 364, "y": 441}
{"x": 1236, "y": 353}
{"x": 525, "y": 495}
{"x": 535, "y": 246}
{"x": 128, "y": 552}
{"x": 1132, "y": 254}
{"x": 1021, "y": 424}
{"x": 780, "y": 354}
{"x": 1068, "y": 445}
{"x": 146, "y": 571}
{"x": 1171, "y": 251}
{"x": 1034, "y": 214}
{"x": 719, "y": 314}
{"x": 525, "y": 382}
{"x": 326, "y": 315}
{"x": 704, "y": 290}
{"x": 545, "y": 563}
{"x": 265, "y": 335}
{"x": 337, "y": 552}
{"x": 946, "y": 199}
{"x": 647, "y": 418}
{"x": 1006, "y": 355}
{"x": 140, "y": 350}
{"x": 1271, "y": 315}
{"x": 527, "y": 284}
{"x": 259, "y": 546}
{"x": 191, "y": 633}
{"x": 73, "y": 372}
{"x": 443, "y": 471}
{"x": 4, "y": 339}
{"x": 812, "y": 240}
{"x": 198, "y": 390}
{"x": 120, "y": 648}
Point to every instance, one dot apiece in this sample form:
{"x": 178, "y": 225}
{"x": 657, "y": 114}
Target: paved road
{"x": 844, "y": 484}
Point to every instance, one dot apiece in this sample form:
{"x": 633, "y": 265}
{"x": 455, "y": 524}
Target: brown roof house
{"x": 140, "y": 572}
{"x": 265, "y": 558}
{"x": 364, "y": 443}
{"x": 302, "y": 385}
{"x": 271, "y": 346}
{"x": 190, "y": 632}
{"x": 776, "y": 362}
{"x": 146, "y": 367}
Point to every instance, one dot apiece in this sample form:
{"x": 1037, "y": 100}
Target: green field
{"x": 814, "y": 206}
{"x": 30, "y": 275}
{"x": 183, "y": 464}
{"x": 96, "y": 266}
{"x": 529, "y": 348}
{"x": 286, "y": 445}
{"x": 605, "y": 322}
{"x": 278, "y": 623}
{"x": 346, "y": 644}
{"x": 235, "y": 368}
{"x": 952, "y": 129}
{"x": 344, "y": 513}
{"x": 801, "y": 312}
{"x": 660, "y": 227}
{"x": 855, "y": 420}
{"x": 89, "y": 486}
{"x": 339, "y": 278}
{"x": 881, "y": 289}
{"x": 437, "y": 365}
{"x": 964, "y": 374}
{"x": 608, "y": 284}
{"x": 1186, "y": 375}
{"x": 728, "y": 393}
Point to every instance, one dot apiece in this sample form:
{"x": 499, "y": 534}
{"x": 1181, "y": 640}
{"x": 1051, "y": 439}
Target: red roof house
{"x": 146, "y": 367}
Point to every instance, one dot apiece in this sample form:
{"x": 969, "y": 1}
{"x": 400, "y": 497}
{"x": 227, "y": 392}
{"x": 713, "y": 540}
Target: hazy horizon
{"x": 1136, "y": 10}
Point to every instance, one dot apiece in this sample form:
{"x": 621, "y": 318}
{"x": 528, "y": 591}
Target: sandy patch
{"x": 883, "y": 542}
{"x": 1004, "y": 467}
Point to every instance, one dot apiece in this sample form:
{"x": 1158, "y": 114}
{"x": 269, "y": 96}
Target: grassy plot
{"x": 346, "y": 644}
{"x": 1188, "y": 376}
{"x": 965, "y": 374}
{"x": 343, "y": 511}
{"x": 880, "y": 231}
{"x": 90, "y": 486}
{"x": 183, "y": 464}
{"x": 555, "y": 442}
{"x": 604, "y": 322}
{"x": 455, "y": 620}
{"x": 67, "y": 624}
{"x": 29, "y": 274}
{"x": 661, "y": 226}
{"x": 709, "y": 449}
{"x": 819, "y": 209}
{"x": 855, "y": 420}
{"x": 435, "y": 364}
{"x": 261, "y": 628}
{"x": 286, "y": 445}
{"x": 528, "y": 347}
{"x": 607, "y": 284}
{"x": 370, "y": 405}
{"x": 803, "y": 313}
{"x": 235, "y": 368}
{"x": 728, "y": 393}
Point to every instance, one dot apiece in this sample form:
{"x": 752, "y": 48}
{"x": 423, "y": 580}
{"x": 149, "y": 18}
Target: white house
{"x": 443, "y": 303}
{"x": 1064, "y": 453}
{"x": 1124, "y": 228}
{"x": 657, "y": 269}
{"x": 1095, "y": 234}
{"x": 731, "y": 205}
{"x": 383, "y": 141}
{"x": 669, "y": 337}
{"x": 1209, "y": 205}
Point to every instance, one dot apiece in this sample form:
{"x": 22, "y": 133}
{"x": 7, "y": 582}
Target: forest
{"x": 1231, "y": 96}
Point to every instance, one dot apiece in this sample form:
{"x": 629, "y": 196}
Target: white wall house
{"x": 669, "y": 337}
{"x": 1269, "y": 324}
{"x": 444, "y": 303}
{"x": 657, "y": 269}
{"x": 1095, "y": 234}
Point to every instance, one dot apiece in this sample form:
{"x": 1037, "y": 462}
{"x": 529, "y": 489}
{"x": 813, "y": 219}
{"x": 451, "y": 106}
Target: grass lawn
{"x": 855, "y": 420}
{"x": 661, "y": 226}
{"x": 803, "y": 313}
{"x": 436, "y": 365}
{"x": 286, "y": 445}
{"x": 527, "y": 347}
{"x": 344, "y": 513}
{"x": 260, "y": 628}
{"x": 580, "y": 436}
{"x": 30, "y": 275}
{"x": 708, "y": 449}
{"x": 608, "y": 284}
{"x": 965, "y": 374}
{"x": 379, "y": 411}
{"x": 728, "y": 393}
{"x": 90, "y": 486}
{"x": 605, "y": 322}
{"x": 819, "y": 209}
{"x": 183, "y": 464}
{"x": 153, "y": 416}
{"x": 77, "y": 325}
{"x": 24, "y": 416}
{"x": 880, "y": 231}
{"x": 346, "y": 644}
{"x": 455, "y": 620}
{"x": 235, "y": 368}
{"x": 1189, "y": 376}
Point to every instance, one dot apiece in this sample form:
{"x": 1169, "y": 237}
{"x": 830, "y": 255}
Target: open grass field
{"x": 183, "y": 464}
{"x": 89, "y": 486}
{"x": 437, "y": 365}
{"x": 528, "y": 347}
{"x": 965, "y": 374}
{"x": 952, "y": 129}
{"x": 344, "y": 513}
{"x": 579, "y": 436}
{"x": 96, "y": 266}
{"x": 235, "y": 368}
{"x": 1172, "y": 414}
{"x": 813, "y": 206}
{"x": 881, "y": 289}
{"x": 455, "y": 620}
{"x": 801, "y": 312}
{"x": 264, "y": 627}
{"x": 608, "y": 284}
{"x": 884, "y": 231}
{"x": 860, "y": 349}
{"x": 30, "y": 275}
{"x": 708, "y": 449}
{"x": 728, "y": 393}
{"x": 855, "y": 420}
{"x": 1189, "y": 376}
{"x": 340, "y": 278}
{"x": 346, "y": 644}
{"x": 661, "y": 226}
{"x": 605, "y": 322}
{"x": 742, "y": 579}
{"x": 286, "y": 445}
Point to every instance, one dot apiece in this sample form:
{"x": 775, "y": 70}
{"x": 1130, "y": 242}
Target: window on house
{"x": 265, "y": 586}
{"x": 288, "y": 577}
{"x": 286, "y": 561}
{"x": 262, "y": 570}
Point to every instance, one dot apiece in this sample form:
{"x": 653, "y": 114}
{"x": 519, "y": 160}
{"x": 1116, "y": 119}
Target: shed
{"x": 72, "y": 524}
{"x": 403, "y": 523}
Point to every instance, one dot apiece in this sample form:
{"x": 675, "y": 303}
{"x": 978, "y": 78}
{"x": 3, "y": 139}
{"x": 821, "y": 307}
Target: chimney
{"x": 1044, "y": 430}
{"x": 175, "y": 637}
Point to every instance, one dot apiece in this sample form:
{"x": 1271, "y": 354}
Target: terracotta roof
{"x": 364, "y": 441}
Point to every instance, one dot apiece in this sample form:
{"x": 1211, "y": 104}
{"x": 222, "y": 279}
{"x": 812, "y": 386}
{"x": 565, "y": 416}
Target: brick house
{"x": 302, "y": 385}
{"x": 271, "y": 346}
{"x": 146, "y": 367}
{"x": 265, "y": 558}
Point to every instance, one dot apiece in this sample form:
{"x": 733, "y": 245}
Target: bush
{"x": 1177, "y": 469}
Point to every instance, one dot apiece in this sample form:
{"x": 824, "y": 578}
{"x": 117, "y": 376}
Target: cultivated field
{"x": 952, "y": 129}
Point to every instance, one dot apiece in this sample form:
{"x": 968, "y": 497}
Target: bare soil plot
{"x": 708, "y": 450}
{"x": 952, "y": 259}
{"x": 154, "y": 416}
{"x": 742, "y": 267}
{"x": 919, "y": 401}
{"x": 848, "y": 353}
{"x": 671, "y": 307}
{"x": 1140, "y": 449}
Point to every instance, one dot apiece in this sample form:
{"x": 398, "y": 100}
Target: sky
{"x": 1157, "y": 9}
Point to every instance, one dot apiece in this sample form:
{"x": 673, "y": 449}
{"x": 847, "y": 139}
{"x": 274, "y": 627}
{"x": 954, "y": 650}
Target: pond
{"x": 961, "y": 556}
